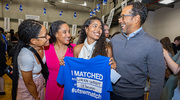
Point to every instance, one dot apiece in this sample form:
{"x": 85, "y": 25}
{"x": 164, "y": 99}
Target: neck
{"x": 37, "y": 48}
{"x": 59, "y": 45}
{"x": 134, "y": 29}
{"x": 90, "y": 41}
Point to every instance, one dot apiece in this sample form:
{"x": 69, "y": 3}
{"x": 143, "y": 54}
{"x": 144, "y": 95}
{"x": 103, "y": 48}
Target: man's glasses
{"x": 122, "y": 16}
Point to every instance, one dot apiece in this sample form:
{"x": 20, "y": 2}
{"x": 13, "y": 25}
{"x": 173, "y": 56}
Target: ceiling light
{"x": 85, "y": 4}
{"x": 63, "y": 1}
{"x": 166, "y": 1}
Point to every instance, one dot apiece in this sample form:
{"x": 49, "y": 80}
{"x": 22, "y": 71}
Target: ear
{"x": 33, "y": 41}
{"x": 86, "y": 30}
{"x": 137, "y": 19}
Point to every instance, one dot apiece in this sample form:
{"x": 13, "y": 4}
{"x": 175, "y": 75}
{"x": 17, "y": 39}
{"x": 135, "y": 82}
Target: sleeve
{"x": 61, "y": 77}
{"x": 176, "y": 59}
{"x": 156, "y": 68}
{"x": 26, "y": 61}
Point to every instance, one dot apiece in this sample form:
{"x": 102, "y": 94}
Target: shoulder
{"x": 25, "y": 53}
{"x": 73, "y": 45}
{"x": 25, "y": 57}
{"x": 117, "y": 37}
{"x": 151, "y": 40}
{"x": 77, "y": 49}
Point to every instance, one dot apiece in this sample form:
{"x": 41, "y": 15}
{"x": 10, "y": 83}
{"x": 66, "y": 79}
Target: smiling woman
{"x": 92, "y": 41}
{"x": 27, "y": 78}
{"x": 59, "y": 48}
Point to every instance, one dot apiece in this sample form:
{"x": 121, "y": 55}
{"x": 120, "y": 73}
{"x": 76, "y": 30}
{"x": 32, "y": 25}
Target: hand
{"x": 112, "y": 63}
{"x": 165, "y": 52}
{"x": 62, "y": 62}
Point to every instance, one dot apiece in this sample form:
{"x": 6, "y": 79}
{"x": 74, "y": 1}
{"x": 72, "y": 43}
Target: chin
{"x": 67, "y": 42}
{"x": 46, "y": 44}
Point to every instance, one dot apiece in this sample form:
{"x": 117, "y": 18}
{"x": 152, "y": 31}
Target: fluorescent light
{"x": 166, "y": 1}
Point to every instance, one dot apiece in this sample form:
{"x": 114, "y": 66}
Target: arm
{"x": 156, "y": 70}
{"x": 110, "y": 54}
{"x": 172, "y": 65}
{"x": 28, "y": 80}
{"x": 77, "y": 50}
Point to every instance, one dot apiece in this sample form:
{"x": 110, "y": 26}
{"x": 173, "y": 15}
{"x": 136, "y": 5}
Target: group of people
{"x": 129, "y": 55}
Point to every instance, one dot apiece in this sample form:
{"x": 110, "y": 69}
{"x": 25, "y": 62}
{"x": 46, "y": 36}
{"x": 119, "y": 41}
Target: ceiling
{"x": 151, "y": 5}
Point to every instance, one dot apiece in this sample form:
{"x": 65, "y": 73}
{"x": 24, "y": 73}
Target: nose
{"x": 69, "y": 34}
{"x": 120, "y": 20}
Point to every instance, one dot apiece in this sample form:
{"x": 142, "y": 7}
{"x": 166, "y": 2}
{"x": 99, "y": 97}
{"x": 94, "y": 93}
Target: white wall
{"x": 166, "y": 22}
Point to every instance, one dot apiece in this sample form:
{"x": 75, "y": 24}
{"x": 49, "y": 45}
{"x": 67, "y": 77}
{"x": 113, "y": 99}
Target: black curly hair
{"x": 139, "y": 9}
{"x": 100, "y": 47}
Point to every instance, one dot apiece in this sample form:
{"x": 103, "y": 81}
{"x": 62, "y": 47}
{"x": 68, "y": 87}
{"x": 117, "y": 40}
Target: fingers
{"x": 62, "y": 62}
{"x": 113, "y": 65}
{"x": 111, "y": 59}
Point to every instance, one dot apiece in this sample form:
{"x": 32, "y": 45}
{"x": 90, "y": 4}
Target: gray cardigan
{"x": 137, "y": 58}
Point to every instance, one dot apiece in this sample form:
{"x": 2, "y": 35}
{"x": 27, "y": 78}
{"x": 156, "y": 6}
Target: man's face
{"x": 106, "y": 31}
{"x": 126, "y": 20}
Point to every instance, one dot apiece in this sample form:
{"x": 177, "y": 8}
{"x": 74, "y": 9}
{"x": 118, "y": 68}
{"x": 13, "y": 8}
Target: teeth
{"x": 97, "y": 34}
{"x": 122, "y": 26}
{"x": 67, "y": 38}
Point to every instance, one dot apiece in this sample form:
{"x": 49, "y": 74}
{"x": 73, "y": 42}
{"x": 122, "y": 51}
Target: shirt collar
{"x": 132, "y": 34}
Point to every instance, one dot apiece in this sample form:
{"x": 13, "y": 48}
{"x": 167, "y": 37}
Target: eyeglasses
{"x": 43, "y": 36}
{"x": 122, "y": 16}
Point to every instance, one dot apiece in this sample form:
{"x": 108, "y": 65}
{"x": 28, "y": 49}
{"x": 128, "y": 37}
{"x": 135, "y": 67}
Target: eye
{"x": 95, "y": 26}
{"x": 64, "y": 31}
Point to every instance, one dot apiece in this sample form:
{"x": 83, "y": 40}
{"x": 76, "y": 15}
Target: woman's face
{"x": 63, "y": 35}
{"x": 43, "y": 37}
{"x": 94, "y": 30}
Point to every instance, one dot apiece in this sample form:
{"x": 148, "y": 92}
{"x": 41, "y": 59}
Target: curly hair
{"x": 139, "y": 9}
{"x": 100, "y": 47}
{"x": 55, "y": 26}
{"x": 27, "y": 30}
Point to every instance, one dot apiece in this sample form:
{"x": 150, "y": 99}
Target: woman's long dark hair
{"x": 166, "y": 43}
{"x": 55, "y": 26}
{"x": 100, "y": 47}
{"x": 27, "y": 30}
